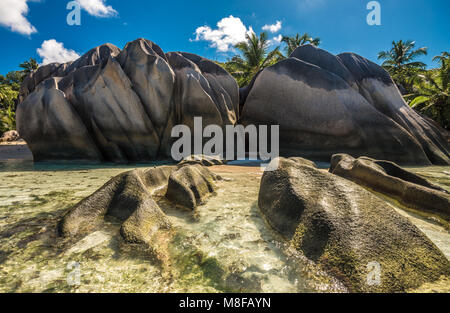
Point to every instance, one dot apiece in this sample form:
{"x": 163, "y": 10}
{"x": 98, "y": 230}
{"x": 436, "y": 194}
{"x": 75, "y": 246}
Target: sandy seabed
{"x": 225, "y": 245}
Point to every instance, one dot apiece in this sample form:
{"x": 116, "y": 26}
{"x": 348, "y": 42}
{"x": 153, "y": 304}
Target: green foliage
{"x": 432, "y": 90}
{"x": 29, "y": 66}
{"x": 255, "y": 56}
{"x": 9, "y": 91}
{"x": 399, "y": 62}
{"x": 7, "y": 100}
{"x": 298, "y": 40}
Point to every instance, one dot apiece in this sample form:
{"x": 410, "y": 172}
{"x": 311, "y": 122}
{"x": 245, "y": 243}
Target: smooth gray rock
{"x": 152, "y": 79}
{"x": 52, "y": 128}
{"x": 114, "y": 115}
{"x": 200, "y": 93}
{"x": 122, "y": 105}
{"x": 328, "y": 104}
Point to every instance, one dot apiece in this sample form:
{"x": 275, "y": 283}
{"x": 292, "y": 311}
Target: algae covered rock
{"x": 130, "y": 198}
{"x": 388, "y": 178}
{"x": 346, "y": 229}
{"x": 190, "y": 185}
{"x": 127, "y": 197}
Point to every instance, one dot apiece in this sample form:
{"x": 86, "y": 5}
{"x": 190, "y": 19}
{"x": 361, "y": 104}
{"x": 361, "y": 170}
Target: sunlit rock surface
{"x": 345, "y": 228}
{"x": 223, "y": 245}
{"x": 327, "y": 104}
{"x": 115, "y": 105}
{"x": 126, "y": 197}
{"x": 190, "y": 185}
{"x": 390, "y": 179}
{"x": 129, "y": 198}
{"x": 120, "y": 106}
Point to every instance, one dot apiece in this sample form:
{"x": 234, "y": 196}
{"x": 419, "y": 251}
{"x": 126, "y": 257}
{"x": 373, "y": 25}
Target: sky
{"x": 210, "y": 28}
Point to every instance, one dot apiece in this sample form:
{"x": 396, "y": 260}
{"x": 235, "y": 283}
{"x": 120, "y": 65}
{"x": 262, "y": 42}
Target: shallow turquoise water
{"x": 226, "y": 235}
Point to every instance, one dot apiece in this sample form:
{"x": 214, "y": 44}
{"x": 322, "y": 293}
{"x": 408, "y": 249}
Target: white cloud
{"x": 277, "y": 38}
{"x": 97, "y": 8}
{"x": 230, "y": 31}
{"x": 54, "y": 51}
{"x": 273, "y": 28}
{"x": 13, "y": 15}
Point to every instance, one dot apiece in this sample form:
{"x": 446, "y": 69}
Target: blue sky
{"x": 29, "y": 25}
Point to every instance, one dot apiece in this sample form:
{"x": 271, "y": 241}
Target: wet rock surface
{"x": 345, "y": 228}
{"x": 225, "y": 245}
{"x": 129, "y": 198}
{"x": 126, "y": 197}
{"x": 388, "y": 178}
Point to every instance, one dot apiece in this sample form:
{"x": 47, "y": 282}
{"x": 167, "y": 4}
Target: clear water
{"x": 224, "y": 246}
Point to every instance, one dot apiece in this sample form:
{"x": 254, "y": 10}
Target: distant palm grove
{"x": 426, "y": 91}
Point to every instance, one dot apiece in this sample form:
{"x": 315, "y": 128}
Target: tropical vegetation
{"x": 292, "y": 42}
{"x": 254, "y": 56}
{"x": 432, "y": 90}
{"x": 426, "y": 91}
{"x": 400, "y": 62}
{"x": 9, "y": 92}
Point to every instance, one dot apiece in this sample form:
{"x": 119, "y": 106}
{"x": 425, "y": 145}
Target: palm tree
{"x": 293, "y": 42}
{"x": 432, "y": 97}
{"x": 7, "y": 102}
{"x": 399, "y": 62}
{"x": 29, "y": 66}
{"x": 9, "y": 91}
{"x": 255, "y": 56}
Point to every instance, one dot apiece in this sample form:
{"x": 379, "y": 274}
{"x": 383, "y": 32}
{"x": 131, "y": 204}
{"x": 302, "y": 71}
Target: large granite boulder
{"x": 347, "y": 230}
{"x": 94, "y": 56}
{"x": 120, "y": 106}
{"x": 327, "y": 104}
{"x": 388, "y": 178}
{"x": 152, "y": 79}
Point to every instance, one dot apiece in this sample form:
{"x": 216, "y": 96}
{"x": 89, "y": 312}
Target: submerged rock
{"x": 190, "y": 185}
{"x": 327, "y": 104}
{"x": 129, "y": 197}
{"x": 388, "y": 178}
{"x": 346, "y": 229}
